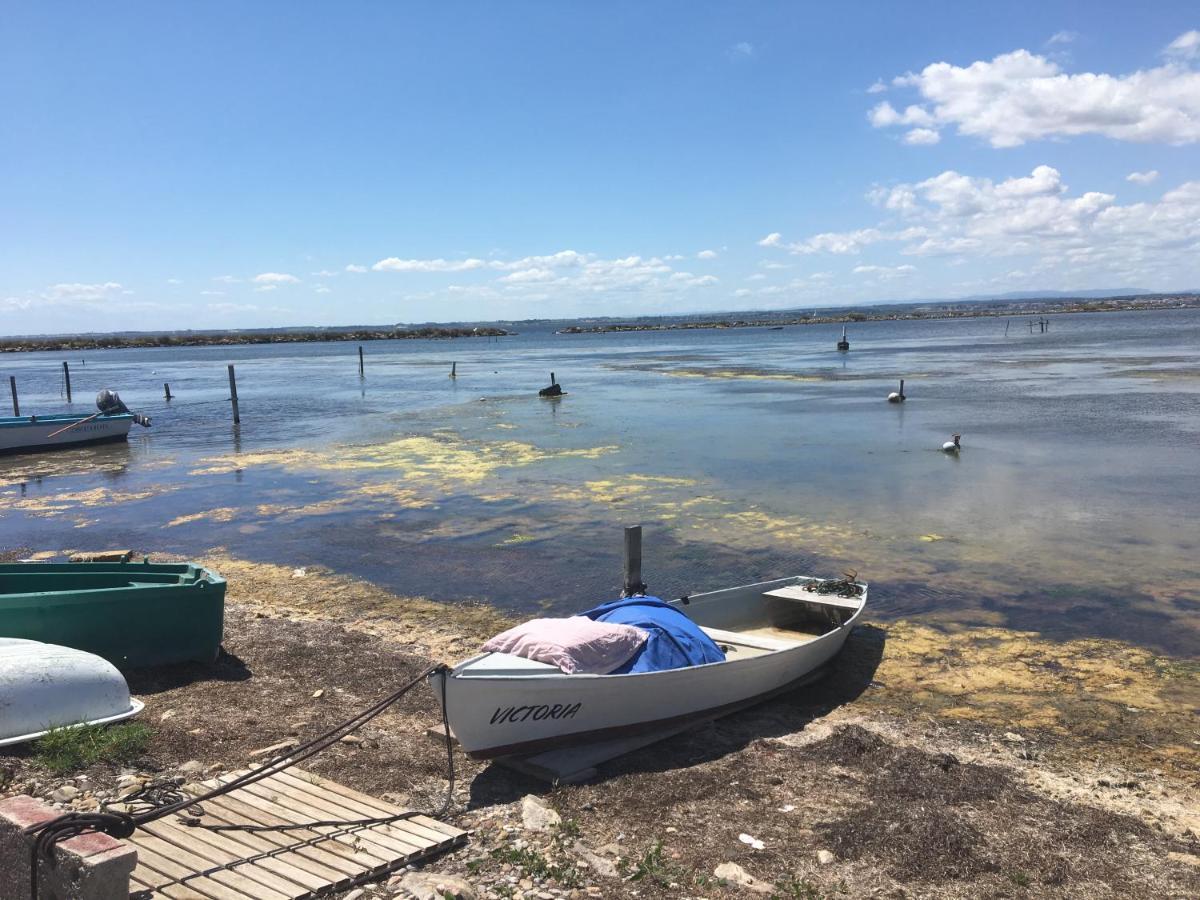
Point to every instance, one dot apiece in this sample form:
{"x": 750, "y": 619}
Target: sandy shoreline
{"x": 971, "y": 739}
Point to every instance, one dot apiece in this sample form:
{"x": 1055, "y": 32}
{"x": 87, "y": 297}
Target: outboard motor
{"x": 110, "y": 404}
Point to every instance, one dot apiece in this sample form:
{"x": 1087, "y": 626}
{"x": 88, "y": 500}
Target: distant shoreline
{"x": 1031, "y": 308}
{"x": 1016, "y": 310}
{"x": 219, "y": 339}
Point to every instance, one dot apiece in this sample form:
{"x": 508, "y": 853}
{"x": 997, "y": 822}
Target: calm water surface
{"x": 747, "y": 454}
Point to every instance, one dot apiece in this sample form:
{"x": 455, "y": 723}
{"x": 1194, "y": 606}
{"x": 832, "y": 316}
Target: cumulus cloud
{"x": 958, "y": 217}
{"x": 274, "y": 279}
{"x": 174, "y": 281}
{"x": 741, "y": 50}
{"x": 885, "y": 273}
{"x": 922, "y": 137}
{"x": 707, "y": 254}
{"x": 877, "y": 88}
{"x": 357, "y": 269}
{"x": 771, "y": 240}
{"x": 1022, "y": 96}
{"x": 227, "y": 279}
{"x": 1142, "y": 177}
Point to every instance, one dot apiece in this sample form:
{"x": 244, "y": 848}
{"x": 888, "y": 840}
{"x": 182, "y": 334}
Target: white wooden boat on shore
{"x": 21, "y": 434}
{"x": 775, "y": 634}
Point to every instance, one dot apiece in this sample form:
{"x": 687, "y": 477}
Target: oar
{"x": 73, "y": 424}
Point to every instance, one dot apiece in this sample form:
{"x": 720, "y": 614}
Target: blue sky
{"x": 233, "y": 164}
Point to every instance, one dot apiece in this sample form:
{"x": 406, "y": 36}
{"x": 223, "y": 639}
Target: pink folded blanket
{"x": 577, "y": 645}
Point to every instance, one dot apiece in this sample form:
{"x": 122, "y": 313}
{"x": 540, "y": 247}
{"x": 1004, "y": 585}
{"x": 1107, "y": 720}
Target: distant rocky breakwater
{"x": 214, "y": 339}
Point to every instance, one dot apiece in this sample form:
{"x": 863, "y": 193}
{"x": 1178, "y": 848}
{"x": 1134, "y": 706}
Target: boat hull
{"x": 31, "y": 434}
{"x": 131, "y": 614}
{"x": 44, "y": 686}
{"x": 518, "y": 715}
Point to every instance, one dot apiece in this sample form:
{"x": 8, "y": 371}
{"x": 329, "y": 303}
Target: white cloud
{"x": 275, "y": 278}
{"x": 357, "y": 269}
{"x": 263, "y": 288}
{"x": 757, "y": 276}
{"x": 741, "y": 50}
{"x": 227, "y": 279}
{"x": 885, "y": 273}
{"x": 707, "y": 254}
{"x": 326, "y": 273}
{"x": 838, "y": 241}
{"x": 1062, "y": 37}
{"x": 174, "y": 281}
{"x": 771, "y": 240}
{"x": 1142, "y": 177}
{"x": 877, "y": 88}
{"x": 742, "y": 292}
{"x": 1067, "y": 237}
{"x": 1022, "y": 96}
{"x": 322, "y": 289}
{"x": 212, "y": 293}
{"x": 75, "y": 292}
{"x": 922, "y": 137}
{"x": 395, "y": 264}
{"x": 1184, "y": 47}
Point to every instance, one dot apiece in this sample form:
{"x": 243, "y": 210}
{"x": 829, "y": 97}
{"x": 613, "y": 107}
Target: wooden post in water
{"x": 12, "y": 384}
{"x": 632, "y": 575}
{"x": 1007, "y": 322}
{"x": 237, "y": 416}
{"x": 453, "y": 370}
{"x": 362, "y": 373}
{"x": 67, "y": 379}
{"x": 166, "y": 391}
{"x": 552, "y": 381}
{"x": 843, "y": 344}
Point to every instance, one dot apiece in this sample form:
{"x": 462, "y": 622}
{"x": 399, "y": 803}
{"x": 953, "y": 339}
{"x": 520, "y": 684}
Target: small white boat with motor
{"x": 45, "y": 686}
{"x": 774, "y": 636}
{"x": 23, "y": 434}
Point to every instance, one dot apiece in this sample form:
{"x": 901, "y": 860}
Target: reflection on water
{"x": 747, "y": 454}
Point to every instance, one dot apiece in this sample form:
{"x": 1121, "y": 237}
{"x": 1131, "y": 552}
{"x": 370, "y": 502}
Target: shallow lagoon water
{"x": 746, "y": 454}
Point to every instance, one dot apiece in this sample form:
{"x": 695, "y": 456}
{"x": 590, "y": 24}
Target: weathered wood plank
{"x": 169, "y": 849}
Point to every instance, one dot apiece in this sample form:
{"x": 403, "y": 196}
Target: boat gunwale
{"x": 456, "y": 673}
{"x": 32, "y": 421}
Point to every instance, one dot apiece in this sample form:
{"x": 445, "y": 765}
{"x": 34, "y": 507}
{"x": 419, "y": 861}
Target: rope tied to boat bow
{"x": 121, "y": 824}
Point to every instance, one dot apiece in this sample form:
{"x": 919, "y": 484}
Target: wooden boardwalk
{"x": 169, "y": 851}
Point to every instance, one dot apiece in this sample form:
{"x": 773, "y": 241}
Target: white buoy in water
{"x": 952, "y": 446}
{"x": 897, "y": 396}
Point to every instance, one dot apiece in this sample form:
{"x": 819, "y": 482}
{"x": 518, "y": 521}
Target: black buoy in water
{"x": 897, "y": 396}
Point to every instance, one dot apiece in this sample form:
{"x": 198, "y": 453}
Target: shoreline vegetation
{"x": 224, "y": 338}
{"x": 950, "y": 309}
{"x": 903, "y": 312}
{"x": 929, "y": 764}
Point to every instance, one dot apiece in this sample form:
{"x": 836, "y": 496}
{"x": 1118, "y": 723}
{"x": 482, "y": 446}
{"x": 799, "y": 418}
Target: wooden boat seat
{"x": 797, "y": 592}
{"x": 766, "y": 643}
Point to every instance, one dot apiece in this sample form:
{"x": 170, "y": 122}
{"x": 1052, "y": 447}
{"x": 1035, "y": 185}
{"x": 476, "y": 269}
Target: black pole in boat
{"x": 633, "y": 585}
{"x": 12, "y": 384}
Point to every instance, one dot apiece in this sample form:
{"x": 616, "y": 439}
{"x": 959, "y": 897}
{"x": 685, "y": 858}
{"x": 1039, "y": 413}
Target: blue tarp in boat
{"x": 675, "y": 640}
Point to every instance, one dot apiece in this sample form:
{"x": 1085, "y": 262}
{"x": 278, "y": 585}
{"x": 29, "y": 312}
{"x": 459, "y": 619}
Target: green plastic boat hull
{"x": 132, "y": 614}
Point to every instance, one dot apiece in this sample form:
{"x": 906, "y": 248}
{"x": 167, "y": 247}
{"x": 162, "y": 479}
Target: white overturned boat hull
{"x": 499, "y": 705}
{"x": 45, "y": 686}
{"x": 23, "y": 434}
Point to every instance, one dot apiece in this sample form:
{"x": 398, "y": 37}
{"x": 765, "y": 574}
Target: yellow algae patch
{"x": 614, "y": 490}
{"x": 752, "y": 522}
{"x": 439, "y": 459}
{"x": 220, "y": 514}
{"x": 516, "y": 539}
{"x": 932, "y": 538}
{"x": 61, "y": 503}
{"x": 395, "y": 495}
{"x": 1091, "y": 689}
{"x": 740, "y": 374}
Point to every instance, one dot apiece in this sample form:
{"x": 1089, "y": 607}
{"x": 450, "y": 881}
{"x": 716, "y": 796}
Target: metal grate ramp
{"x": 182, "y": 862}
